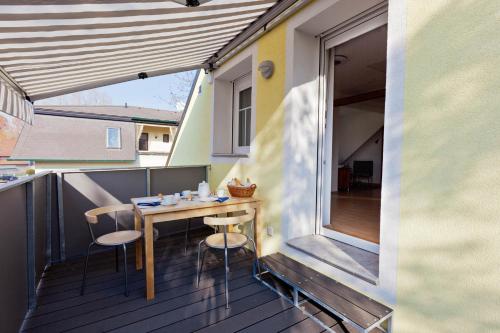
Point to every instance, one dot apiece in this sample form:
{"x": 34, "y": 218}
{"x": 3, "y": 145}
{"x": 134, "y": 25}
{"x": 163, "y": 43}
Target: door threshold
{"x": 350, "y": 259}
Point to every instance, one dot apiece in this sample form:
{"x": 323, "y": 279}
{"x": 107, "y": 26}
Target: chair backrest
{"x": 233, "y": 220}
{"x": 93, "y": 214}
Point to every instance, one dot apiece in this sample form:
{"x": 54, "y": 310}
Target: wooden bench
{"x": 357, "y": 311}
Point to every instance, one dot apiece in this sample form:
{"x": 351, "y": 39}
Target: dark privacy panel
{"x": 40, "y": 221}
{"x": 90, "y": 189}
{"x": 171, "y": 180}
{"x": 83, "y": 191}
{"x": 13, "y": 256}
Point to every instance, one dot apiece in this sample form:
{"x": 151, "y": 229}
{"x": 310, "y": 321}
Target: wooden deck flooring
{"x": 179, "y": 305}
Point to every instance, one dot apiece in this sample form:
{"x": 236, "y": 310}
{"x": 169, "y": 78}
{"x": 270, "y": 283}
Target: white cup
{"x": 221, "y": 193}
{"x": 177, "y": 197}
{"x": 186, "y": 193}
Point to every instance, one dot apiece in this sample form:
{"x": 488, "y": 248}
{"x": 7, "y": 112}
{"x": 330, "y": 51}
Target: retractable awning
{"x": 53, "y": 47}
{"x": 15, "y": 104}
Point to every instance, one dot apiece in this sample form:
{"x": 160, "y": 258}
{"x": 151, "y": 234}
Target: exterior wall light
{"x": 266, "y": 69}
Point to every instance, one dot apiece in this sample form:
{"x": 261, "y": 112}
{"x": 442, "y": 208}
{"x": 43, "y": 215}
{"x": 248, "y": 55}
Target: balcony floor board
{"x": 179, "y": 305}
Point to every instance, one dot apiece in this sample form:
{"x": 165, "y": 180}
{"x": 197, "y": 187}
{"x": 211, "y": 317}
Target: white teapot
{"x": 203, "y": 190}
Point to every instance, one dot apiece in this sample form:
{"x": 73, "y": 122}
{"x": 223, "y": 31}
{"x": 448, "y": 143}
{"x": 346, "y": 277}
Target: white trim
{"x": 227, "y": 73}
{"x": 239, "y": 85}
{"x": 358, "y": 27}
{"x": 297, "y": 218}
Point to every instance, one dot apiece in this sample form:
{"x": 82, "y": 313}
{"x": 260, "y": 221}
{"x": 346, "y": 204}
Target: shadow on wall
{"x": 265, "y": 169}
{"x": 299, "y": 199}
{"x": 449, "y": 246}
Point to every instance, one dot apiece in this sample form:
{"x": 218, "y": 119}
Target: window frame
{"x": 222, "y": 147}
{"x": 240, "y": 84}
{"x": 108, "y": 146}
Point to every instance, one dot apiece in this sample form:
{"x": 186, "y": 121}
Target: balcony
{"x": 45, "y": 237}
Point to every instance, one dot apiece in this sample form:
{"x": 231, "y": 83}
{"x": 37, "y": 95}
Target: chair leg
{"x": 199, "y": 266}
{"x": 116, "y": 258}
{"x": 125, "y": 268}
{"x": 255, "y": 254}
{"x": 186, "y": 236}
{"x": 226, "y": 267}
{"x": 82, "y": 289}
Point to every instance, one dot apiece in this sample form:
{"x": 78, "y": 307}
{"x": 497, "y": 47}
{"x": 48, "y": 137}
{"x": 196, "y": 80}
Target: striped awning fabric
{"x": 53, "y": 47}
{"x": 13, "y": 103}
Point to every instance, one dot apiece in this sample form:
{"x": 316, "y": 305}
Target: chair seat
{"x": 233, "y": 240}
{"x": 118, "y": 237}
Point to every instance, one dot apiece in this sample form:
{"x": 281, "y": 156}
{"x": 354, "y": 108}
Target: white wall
{"x": 371, "y": 151}
{"x": 355, "y": 124}
{"x": 301, "y": 112}
{"x": 155, "y": 138}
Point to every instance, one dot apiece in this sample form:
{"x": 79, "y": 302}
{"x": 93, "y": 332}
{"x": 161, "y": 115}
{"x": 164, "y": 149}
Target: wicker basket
{"x": 240, "y": 191}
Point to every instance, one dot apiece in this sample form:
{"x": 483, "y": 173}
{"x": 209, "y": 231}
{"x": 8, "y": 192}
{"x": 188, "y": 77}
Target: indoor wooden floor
{"x": 356, "y": 213}
{"x": 179, "y": 305}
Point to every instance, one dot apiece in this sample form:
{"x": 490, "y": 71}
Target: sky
{"x": 167, "y": 92}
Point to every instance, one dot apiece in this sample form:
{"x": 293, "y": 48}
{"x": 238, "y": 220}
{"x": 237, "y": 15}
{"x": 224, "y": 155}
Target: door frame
{"x": 355, "y": 27}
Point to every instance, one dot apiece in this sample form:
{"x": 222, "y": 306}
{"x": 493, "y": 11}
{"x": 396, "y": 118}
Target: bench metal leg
{"x": 389, "y": 325}
{"x": 255, "y": 255}
{"x": 295, "y": 297}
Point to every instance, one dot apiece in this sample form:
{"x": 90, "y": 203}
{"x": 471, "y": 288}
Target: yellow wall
{"x": 193, "y": 138}
{"x": 449, "y": 245}
{"x": 266, "y": 166}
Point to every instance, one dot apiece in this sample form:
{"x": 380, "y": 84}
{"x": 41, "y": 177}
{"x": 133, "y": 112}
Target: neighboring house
{"x": 76, "y": 137}
{"x": 10, "y": 129}
{"x": 409, "y": 91}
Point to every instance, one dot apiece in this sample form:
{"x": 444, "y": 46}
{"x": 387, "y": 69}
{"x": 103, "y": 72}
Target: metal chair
{"x": 227, "y": 240}
{"x": 116, "y": 239}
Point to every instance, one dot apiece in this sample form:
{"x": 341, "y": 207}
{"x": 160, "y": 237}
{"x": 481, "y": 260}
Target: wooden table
{"x": 183, "y": 210}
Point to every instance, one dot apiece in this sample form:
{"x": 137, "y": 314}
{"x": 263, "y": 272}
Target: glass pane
{"x": 241, "y": 128}
{"x": 248, "y": 123}
{"x": 113, "y": 138}
{"x": 245, "y": 98}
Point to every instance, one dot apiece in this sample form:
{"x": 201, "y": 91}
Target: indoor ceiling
{"x": 365, "y": 68}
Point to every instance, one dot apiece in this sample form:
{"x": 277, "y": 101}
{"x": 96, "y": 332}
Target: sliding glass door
{"x": 354, "y": 66}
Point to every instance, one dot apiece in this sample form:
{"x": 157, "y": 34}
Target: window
{"x": 242, "y": 114}
{"x": 143, "y": 141}
{"x": 166, "y": 138}
{"x": 113, "y": 138}
{"x": 234, "y": 107}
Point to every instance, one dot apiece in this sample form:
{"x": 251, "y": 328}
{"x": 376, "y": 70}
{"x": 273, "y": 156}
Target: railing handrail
{"x": 23, "y": 180}
{"x": 63, "y": 171}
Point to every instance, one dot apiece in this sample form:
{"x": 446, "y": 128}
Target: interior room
{"x": 358, "y": 133}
